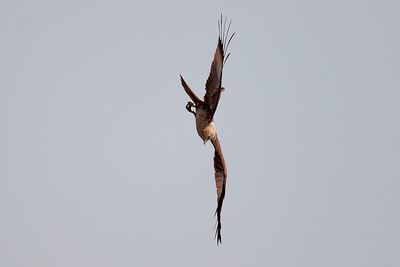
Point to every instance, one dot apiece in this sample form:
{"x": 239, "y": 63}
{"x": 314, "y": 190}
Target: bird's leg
{"x": 189, "y": 106}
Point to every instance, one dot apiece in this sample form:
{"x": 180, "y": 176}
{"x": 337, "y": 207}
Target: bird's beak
{"x": 204, "y": 141}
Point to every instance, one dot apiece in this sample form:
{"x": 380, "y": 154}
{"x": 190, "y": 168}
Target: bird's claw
{"x": 189, "y": 106}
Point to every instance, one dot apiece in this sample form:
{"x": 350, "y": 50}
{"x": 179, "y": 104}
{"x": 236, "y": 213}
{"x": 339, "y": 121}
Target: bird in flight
{"x": 204, "y": 113}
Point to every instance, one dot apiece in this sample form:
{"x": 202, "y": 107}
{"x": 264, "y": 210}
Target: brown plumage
{"x": 205, "y": 110}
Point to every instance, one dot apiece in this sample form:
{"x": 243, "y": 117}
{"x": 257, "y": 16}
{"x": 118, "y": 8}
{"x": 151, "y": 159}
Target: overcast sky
{"x": 100, "y": 163}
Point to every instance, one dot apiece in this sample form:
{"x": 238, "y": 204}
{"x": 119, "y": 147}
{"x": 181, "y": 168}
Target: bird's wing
{"x": 214, "y": 81}
{"x": 220, "y": 182}
{"x": 189, "y": 91}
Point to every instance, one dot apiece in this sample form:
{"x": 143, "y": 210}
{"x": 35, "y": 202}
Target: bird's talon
{"x": 189, "y": 106}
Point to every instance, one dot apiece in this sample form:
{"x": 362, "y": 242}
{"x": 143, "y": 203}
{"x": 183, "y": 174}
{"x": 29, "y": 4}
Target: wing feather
{"x": 214, "y": 81}
{"x": 189, "y": 91}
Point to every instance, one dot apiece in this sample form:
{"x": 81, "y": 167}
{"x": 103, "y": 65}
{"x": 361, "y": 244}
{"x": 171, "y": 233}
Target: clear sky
{"x": 100, "y": 163}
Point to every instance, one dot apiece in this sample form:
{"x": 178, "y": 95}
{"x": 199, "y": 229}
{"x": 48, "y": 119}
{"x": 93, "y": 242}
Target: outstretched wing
{"x": 220, "y": 182}
{"x": 214, "y": 81}
{"x": 189, "y": 91}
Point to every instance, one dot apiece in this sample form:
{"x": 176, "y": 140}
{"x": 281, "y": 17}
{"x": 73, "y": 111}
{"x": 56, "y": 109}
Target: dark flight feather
{"x": 214, "y": 81}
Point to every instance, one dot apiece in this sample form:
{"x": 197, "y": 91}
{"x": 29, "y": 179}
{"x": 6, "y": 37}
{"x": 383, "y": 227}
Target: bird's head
{"x": 208, "y": 133}
{"x": 205, "y": 139}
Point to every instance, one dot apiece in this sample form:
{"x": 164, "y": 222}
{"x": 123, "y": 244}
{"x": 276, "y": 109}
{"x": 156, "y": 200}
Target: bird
{"x": 204, "y": 111}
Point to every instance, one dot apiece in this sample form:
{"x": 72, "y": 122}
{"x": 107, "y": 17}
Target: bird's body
{"x": 204, "y": 114}
{"x": 205, "y": 128}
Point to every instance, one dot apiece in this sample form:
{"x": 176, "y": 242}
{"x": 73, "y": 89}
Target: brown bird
{"x": 204, "y": 114}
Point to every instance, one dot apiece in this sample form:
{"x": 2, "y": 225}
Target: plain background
{"x": 100, "y": 163}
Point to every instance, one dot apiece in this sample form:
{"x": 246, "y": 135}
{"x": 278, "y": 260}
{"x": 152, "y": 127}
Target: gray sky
{"x": 100, "y": 164}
